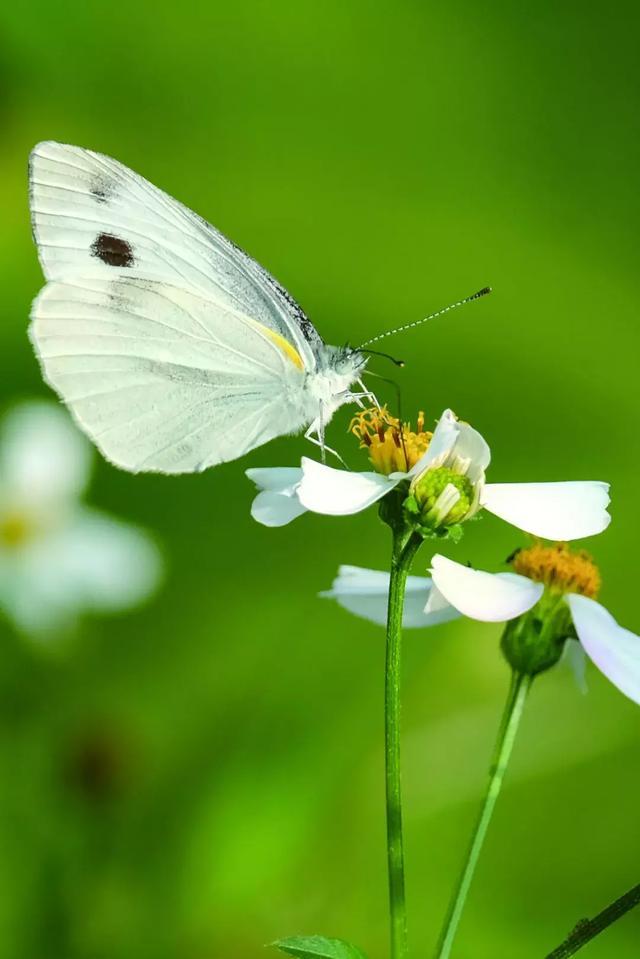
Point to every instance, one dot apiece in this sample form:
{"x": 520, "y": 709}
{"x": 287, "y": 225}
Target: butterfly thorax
{"x": 328, "y": 386}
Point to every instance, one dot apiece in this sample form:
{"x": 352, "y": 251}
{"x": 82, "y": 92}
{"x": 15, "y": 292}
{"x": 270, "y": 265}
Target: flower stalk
{"x": 520, "y": 685}
{"x": 405, "y": 547}
{"x": 588, "y": 929}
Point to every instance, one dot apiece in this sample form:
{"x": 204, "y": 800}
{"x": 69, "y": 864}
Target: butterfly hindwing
{"x": 160, "y": 378}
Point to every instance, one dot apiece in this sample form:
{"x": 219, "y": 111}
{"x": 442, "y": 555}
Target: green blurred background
{"x": 203, "y": 776}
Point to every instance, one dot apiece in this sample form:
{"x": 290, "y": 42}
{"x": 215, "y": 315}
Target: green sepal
{"x": 318, "y": 947}
{"x": 412, "y": 513}
{"x": 534, "y": 642}
{"x": 454, "y": 533}
{"x": 411, "y": 506}
{"x": 391, "y": 508}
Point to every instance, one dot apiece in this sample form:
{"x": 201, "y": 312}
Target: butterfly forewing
{"x": 94, "y": 217}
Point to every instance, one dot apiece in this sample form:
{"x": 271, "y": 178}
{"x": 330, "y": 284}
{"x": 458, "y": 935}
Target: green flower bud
{"x": 534, "y": 642}
{"x": 443, "y": 497}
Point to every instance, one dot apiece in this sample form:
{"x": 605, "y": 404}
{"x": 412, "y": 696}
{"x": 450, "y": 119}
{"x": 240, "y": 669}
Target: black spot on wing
{"x": 112, "y": 250}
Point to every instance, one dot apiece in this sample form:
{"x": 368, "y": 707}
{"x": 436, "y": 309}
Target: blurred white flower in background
{"x": 58, "y": 557}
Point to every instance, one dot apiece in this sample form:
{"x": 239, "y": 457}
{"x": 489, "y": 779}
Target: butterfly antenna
{"x": 432, "y": 316}
{"x": 387, "y": 356}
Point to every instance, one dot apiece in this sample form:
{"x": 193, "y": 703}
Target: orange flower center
{"x": 560, "y": 569}
{"x": 392, "y": 446}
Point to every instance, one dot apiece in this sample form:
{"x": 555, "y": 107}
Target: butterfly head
{"x": 338, "y": 368}
{"x": 343, "y": 361}
{"x": 352, "y": 360}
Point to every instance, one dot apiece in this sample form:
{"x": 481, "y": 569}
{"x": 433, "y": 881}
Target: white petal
{"x": 338, "y": 492}
{"x": 110, "y": 564}
{"x": 95, "y": 563}
{"x": 276, "y": 509}
{"x": 278, "y": 479}
{"x": 358, "y": 579}
{"x": 442, "y": 442}
{"x": 277, "y": 504}
{"x": 364, "y": 592}
{"x": 27, "y": 600}
{"x": 489, "y": 597}
{"x": 455, "y": 444}
{"x": 560, "y": 511}
{"x": 574, "y": 656}
{"x": 436, "y": 602}
{"x": 614, "y": 650}
{"x": 44, "y": 456}
{"x": 471, "y": 448}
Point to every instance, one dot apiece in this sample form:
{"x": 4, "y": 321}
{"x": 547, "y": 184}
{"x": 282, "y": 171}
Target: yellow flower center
{"x": 15, "y": 530}
{"x": 560, "y": 569}
{"x": 392, "y": 446}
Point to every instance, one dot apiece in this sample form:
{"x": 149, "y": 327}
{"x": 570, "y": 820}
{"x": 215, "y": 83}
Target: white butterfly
{"x": 173, "y": 349}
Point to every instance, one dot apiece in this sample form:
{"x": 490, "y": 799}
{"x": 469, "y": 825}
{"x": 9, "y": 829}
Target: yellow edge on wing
{"x": 284, "y": 345}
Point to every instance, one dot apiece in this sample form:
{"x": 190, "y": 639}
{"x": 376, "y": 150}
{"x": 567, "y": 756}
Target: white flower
{"x": 492, "y": 597}
{"x": 559, "y": 510}
{"x": 364, "y": 592}
{"x": 457, "y": 590}
{"x": 59, "y": 558}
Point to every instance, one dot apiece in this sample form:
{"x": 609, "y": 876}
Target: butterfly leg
{"x": 366, "y": 392}
{"x": 349, "y": 397}
{"x": 315, "y": 435}
{"x": 359, "y": 397}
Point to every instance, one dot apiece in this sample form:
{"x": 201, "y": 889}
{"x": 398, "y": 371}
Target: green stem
{"x": 404, "y": 551}
{"x": 588, "y": 929}
{"x": 511, "y": 717}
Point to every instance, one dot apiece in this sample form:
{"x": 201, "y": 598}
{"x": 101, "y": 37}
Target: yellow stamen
{"x": 392, "y": 446}
{"x": 15, "y": 530}
{"x": 560, "y": 569}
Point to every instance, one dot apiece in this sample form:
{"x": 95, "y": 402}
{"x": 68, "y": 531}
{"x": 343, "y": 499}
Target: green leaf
{"x": 317, "y": 947}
